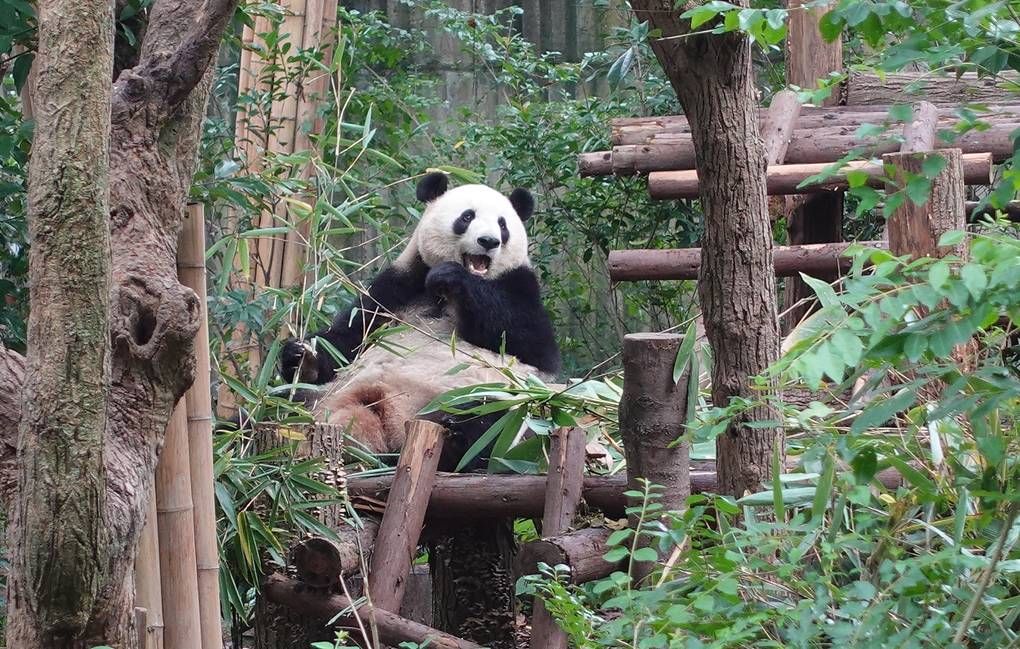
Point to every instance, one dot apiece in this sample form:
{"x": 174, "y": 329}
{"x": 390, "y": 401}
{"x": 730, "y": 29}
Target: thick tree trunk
{"x": 93, "y": 488}
{"x": 712, "y": 78}
{"x": 59, "y": 569}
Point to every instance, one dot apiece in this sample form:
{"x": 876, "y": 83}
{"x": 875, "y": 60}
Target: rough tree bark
{"x": 711, "y": 75}
{"x": 59, "y": 545}
{"x": 111, "y": 353}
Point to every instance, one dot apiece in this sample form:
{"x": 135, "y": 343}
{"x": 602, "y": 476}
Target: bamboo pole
{"x": 191, "y": 270}
{"x": 174, "y": 512}
{"x": 147, "y": 580}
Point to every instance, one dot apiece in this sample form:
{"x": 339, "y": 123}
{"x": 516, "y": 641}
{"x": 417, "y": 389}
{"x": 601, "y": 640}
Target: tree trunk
{"x": 711, "y": 75}
{"x": 107, "y": 361}
{"x": 59, "y": 543}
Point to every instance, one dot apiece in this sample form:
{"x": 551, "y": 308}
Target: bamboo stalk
{"x": 191, "y": 270}
{"x": 147, "y": 581}
{"x": 174, "y": 512}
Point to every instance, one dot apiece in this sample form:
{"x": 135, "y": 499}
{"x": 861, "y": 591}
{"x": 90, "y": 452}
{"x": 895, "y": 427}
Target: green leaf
{"x": 938, "y": 274}
{"x": 683, "y": 355}
{"x": 616, "y": 554}
{"x": 645, "y": 554}
{"x": 857, "y": 178}
{"x": 974, "y": 279}
{"x": 619, "y": 536}
{"x": 882, "y": 410}
{"x": 823, "y": 493}
{"x": 932, "y": 165}
{"x": 826, "y": 296}
{"x": 918, "y": 190}
{"x": 952, "y": 238}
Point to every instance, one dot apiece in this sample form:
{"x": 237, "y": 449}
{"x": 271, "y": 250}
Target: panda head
{"x": 473, "y": 225}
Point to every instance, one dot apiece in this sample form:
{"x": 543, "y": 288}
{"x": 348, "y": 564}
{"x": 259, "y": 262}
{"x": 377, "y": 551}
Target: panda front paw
{"x": 298, "y": 358}
{"x": 445, "y": 279}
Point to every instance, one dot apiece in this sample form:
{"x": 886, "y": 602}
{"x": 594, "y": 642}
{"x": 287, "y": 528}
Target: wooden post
{"x": 191, "y": 270}
{"x": 174, "y": 511}
{"x": 778, "y": 127}
{"x": 919, "y": 134}
{"x": 147, "y": 581}
{"x": 809, "y": 58}
{"x": 400, "y": 529}
{"x": 915, "y": 229}
{"x": 653, "y": 416}
{"x": 562, "y": 496}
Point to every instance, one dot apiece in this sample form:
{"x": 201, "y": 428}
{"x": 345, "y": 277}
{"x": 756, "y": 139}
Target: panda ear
{"x": 523, "y": 203}
{"x": 431, "y": 186}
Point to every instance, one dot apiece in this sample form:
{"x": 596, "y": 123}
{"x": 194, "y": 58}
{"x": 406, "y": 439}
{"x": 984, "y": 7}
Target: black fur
{"x": 431, "y": 186}
{"x": 523, "y": 202}
{"x": 391, "y": 291}
{"x": 488, "y": 310}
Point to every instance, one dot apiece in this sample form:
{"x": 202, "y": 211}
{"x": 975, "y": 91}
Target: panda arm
{"x": 391, "y": 291}
{"x": 510, "y": 305}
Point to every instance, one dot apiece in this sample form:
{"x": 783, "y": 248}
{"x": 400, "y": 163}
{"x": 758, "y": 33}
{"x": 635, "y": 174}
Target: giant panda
{"x": 470, "y": 305}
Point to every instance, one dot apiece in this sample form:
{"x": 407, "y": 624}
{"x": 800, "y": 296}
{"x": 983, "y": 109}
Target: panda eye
{"x": 467, "y": 216}
{"x": 502, "y": 222}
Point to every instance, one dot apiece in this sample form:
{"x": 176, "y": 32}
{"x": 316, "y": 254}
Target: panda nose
{"x": 488, "y": 242}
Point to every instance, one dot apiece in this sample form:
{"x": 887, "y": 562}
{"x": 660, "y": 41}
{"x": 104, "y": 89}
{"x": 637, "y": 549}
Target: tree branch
{"x": 172, "y": 65}
{"x": 12, "y": 376}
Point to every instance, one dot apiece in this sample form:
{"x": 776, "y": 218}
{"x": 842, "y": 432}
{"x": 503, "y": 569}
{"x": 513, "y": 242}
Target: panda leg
{"x": 464, "y": 431}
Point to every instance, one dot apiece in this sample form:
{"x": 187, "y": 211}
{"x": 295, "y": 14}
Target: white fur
{"x": 436, "y": 242}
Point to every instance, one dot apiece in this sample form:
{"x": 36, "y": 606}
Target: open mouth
{"x": 477, "y": 264}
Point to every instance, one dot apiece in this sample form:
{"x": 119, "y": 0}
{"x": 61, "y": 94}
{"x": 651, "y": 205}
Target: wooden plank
{"x": 785, "y": 179}
{"x": 397, "y": 541}
{"x": 685, "y": 263}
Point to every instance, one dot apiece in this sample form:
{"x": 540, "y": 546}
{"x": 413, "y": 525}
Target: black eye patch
{"x": 460, "y": 226}
{"x": 504, "y": 231}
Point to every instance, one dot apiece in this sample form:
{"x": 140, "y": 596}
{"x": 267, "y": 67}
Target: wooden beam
{"x": 785, "y": 179}
{"x": 779, "y": 124}
{"x": 915, "y": 229}
{"x": 807, "y": 146}
{"x": 459, "y": 496}
{"x": 397, "y": 540}
{"x": 562, "y": 496}
{"x": 323, "y": 605}
{"x": 947, "y": 89}
{"x": 671, "y": 129}
{"x": 685, "y": 263}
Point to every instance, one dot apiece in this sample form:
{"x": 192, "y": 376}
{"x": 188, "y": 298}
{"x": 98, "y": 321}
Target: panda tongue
{"x": 478, "y": 264}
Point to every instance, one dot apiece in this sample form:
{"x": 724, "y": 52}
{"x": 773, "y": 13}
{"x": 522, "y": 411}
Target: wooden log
{"x": 147, "y": 580}
{"x": 653, "y": 416}
{"x": 915, "y": 229}
{"x": 806, "y": 146}
{"x": 582, "y": 551}
{"x": 863, "y": 89}
{"x": 175, "y": 515}
{"x": 685, "y": 263}
{"x": 1011, "y": 210}
{"x": 785, "y": 179}
{"x": 191, "y": 271}
{"x": 397, "y": 541}
{"x": 671, "y": 129}
{"x": 320, "y": 562}
{"x": 920, "y": 133}
{"x": 392, "y": 628}
{"x": 458, "y": 496}
{"x": 779, "y": 124}
{"x": 564, "y": 485}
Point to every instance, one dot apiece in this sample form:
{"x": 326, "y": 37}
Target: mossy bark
{"x": 111, "y": 333}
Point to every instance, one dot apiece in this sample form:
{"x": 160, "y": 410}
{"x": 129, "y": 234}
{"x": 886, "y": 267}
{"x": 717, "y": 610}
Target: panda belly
{"x": 390, "y": 382}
